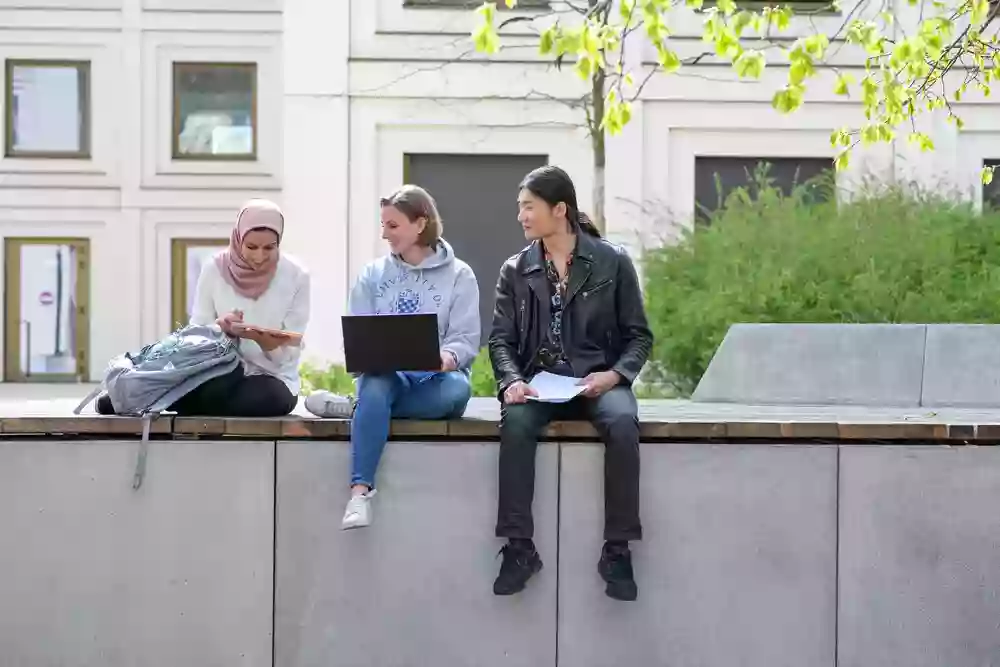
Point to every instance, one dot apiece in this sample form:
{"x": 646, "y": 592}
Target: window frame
{"x": 178, "y": 68}
{"x": 702, "y": 216}
{"x": 12, "y": 371}
{"x": 83, "y": 68}
{"x": 178, "y": 270}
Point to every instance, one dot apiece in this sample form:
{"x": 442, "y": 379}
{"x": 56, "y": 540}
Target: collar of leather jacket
{"x": 535, "y": 259}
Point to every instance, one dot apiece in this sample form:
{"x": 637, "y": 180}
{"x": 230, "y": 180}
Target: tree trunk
{"x": 597, "y": 145}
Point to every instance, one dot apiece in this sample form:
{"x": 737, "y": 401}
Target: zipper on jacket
{"x": 522, "y": 316}
{"x": 597, "y": 287}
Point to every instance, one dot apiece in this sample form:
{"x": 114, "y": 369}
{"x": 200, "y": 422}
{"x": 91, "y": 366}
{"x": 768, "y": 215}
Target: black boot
{"x": 520, "y": 562}
{"x": 103, "y": 405}
{"x": 615, "y": 567}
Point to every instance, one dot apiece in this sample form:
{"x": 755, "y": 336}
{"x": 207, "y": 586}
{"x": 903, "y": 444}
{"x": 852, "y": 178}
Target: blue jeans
{"x": 396, "y": 396}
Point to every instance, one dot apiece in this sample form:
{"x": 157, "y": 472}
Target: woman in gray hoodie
{"x": 419, "y": 275}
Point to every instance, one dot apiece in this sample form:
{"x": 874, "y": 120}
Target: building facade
{"x": 134, "y": 129}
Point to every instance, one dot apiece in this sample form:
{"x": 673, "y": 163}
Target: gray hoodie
{"x": 441, "y": 284}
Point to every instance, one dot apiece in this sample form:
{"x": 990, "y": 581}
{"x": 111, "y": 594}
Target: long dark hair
{"x": 553, "y": 185}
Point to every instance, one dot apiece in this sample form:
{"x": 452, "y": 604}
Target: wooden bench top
{"x": 660, "y": 420}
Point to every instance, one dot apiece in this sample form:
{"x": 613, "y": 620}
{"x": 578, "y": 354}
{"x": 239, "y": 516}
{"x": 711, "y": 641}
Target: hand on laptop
{"x": 448, "y": 362}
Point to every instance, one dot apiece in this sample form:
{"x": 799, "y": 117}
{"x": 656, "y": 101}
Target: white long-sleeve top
{"x": 285, "y": 305}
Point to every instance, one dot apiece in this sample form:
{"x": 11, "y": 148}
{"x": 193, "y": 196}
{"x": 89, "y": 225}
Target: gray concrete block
{"x": 920, "y": 557}
{"x": 962, "y": 366}
{"x": 415, "y": 588}
{"x": 737, "y": 565}
{"x": 816, "y": 364}
{"x": 93, "y": 574}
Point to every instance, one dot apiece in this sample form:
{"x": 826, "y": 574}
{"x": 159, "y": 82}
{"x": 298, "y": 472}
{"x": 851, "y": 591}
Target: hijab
{"x": 235, "y": 269}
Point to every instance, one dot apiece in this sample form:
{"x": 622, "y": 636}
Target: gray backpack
{"x": 148, "y": 382}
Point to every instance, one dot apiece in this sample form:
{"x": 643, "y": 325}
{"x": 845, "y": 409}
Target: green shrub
{"x": 483, "y": 381}
{"x": 886, "y": 257}
{"x": 334, "y": 378}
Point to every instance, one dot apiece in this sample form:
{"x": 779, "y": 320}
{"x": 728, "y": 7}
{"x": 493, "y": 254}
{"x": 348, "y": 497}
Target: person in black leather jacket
{"x": 569, "y": 304}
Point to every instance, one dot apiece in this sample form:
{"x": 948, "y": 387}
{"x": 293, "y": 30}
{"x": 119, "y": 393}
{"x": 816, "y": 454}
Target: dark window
{"x": 991, "y": 192}
{"x": 215, "y": 111}
{"x": 716, "y": 177}
{"x": 477, "y": 198}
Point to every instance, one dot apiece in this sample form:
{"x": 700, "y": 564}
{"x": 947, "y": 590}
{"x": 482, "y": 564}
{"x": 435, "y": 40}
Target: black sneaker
{"x": 615, "y": 567}
{"x": 520, "y": 562}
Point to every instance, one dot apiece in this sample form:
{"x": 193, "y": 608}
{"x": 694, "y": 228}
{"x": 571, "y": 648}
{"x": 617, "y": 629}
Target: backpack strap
{"x": 140, "y": 463}
{"x": 86, "y": 401}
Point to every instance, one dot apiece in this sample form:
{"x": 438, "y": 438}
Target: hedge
{"x": 893, "y": 256}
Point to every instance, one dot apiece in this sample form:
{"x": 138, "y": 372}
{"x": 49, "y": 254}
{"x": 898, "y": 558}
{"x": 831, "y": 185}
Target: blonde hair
{"x": 414, "y": 202}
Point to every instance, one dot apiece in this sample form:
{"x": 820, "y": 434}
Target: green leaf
{"x": 727, "y": 7}
{"x": 980, "y": 10}
{"x": 841, "y": 137}
{"x": 987, "y": 175}
{"x": 485, "y": 39}
{"x": 749, "y": 65}
{"x": 668, "y": 60}
{"x": 788, "y": 99}
{"x": 922, "y": 140}
{"x": 547, "y": 40}
{"x": 842, "y": 161}
{"x": 511, "y": 4}
{"x": 843, "y": 81}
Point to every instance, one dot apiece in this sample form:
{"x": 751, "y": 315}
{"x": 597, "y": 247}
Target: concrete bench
{"x": 901, "y": 365}
{"x": 775, "y": 536}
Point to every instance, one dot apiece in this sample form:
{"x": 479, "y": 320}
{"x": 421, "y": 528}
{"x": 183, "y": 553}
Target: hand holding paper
{"x": 552, "y": 388}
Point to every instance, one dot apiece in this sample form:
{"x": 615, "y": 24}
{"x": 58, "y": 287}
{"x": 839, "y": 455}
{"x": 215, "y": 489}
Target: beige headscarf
{"x": 245, "y": 279}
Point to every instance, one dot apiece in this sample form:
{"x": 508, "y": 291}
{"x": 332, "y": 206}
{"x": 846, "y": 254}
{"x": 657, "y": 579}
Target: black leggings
{"x": 234, "y": 394}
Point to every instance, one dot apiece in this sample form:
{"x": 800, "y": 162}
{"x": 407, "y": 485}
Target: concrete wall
{"x": 899, "y": 365}
{"x": 93, "y": 574}
{"x": 758, "y": 555}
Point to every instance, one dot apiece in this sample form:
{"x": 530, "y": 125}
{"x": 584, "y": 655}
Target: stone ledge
{"x": 659, "y": 421}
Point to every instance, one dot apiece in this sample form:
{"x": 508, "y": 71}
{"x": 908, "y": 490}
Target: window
{"x": 47, "y": 328}
{"x": 716, "y": 177}
{"x": 187, "y": 257}
{"x": 215, "y": 111}
{"x": 47, "y": 106}
{"x": 991, "y": 192}
{"x": 477, "y": 198}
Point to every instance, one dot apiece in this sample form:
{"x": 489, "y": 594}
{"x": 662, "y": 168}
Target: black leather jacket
{"x": 604, "y": 322}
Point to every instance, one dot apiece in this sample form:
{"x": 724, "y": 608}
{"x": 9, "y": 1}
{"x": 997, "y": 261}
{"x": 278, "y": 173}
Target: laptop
{"x": 389, "y": 343}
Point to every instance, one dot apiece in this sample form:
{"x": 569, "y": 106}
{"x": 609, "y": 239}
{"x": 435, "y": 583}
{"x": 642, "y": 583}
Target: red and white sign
{"x": 46, "y": 298}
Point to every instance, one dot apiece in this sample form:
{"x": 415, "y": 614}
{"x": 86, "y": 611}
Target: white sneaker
{"x": 359, "y": 511}
{"x": 328, "y": 405}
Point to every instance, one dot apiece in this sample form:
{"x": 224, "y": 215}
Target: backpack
{"x": 148, "y": 382}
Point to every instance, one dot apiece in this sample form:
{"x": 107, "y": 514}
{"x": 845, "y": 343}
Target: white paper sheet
{"x": 554, "y": 388}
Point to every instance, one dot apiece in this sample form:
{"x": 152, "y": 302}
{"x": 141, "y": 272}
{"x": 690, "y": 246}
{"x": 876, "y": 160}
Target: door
{"x": 477, "y": 199}
{"x": 46, "y": 301}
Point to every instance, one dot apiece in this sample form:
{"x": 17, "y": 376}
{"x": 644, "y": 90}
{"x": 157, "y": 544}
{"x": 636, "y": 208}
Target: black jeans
{"x": 616, "y": 417}
{"x": 234, "y": 394}
{"x": 238, "y": 395}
